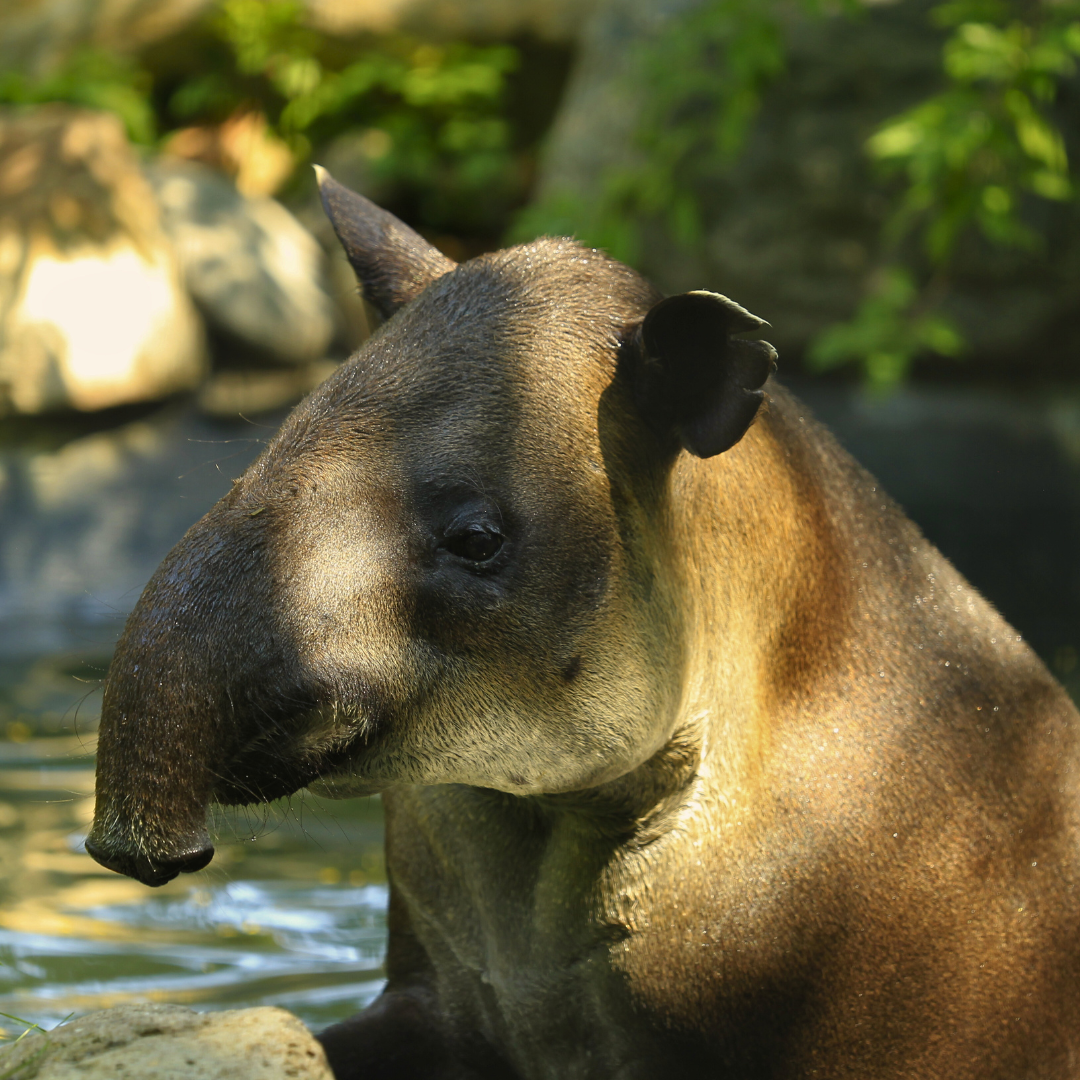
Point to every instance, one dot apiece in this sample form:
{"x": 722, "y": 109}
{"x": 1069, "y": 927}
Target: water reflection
{"x": 290, "y": 912}
{"x": 316, "y": 951}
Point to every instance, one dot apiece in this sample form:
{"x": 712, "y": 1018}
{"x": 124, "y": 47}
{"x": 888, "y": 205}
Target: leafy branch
{"x": 432, "y": 114}
{"x": 705, "y": 75}
{"x": 433, "y": 117}
{"x": 968, "y": 158}
{"x": 94, "y": 80}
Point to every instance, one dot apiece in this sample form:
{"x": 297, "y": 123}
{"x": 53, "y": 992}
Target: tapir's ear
{"x": 392, "y": 263}
{"x": 692, "y": 377}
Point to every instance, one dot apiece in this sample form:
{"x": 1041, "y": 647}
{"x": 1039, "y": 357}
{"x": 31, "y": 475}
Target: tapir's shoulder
{"x": 875, "y": 658}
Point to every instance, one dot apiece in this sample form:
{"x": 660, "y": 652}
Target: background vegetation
{"x": 976, "y": 155}
{"x": 449, "y": 134}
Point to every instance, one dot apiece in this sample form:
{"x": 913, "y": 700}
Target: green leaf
{"x": 887, "y": 332}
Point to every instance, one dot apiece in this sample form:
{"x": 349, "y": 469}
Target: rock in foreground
{"x": 168, "y": 1042}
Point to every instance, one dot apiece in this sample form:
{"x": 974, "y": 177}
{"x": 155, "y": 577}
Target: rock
{"x": 793, "y": 227}
{"x": 93, "y": 312}
{"x": 595, "y": 127}
{"x": 552, "y": 20}
{"x": 167, "y": 1042}
{"x": 243, "y": 147}
{"x": 229, "y": 394}
{"x": 37, "y": 35}
{"x": 255, "y": 272}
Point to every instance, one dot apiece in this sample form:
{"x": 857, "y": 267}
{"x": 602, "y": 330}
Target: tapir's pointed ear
{"x": 392, "y": 263}
{"x": 693, "y": 378}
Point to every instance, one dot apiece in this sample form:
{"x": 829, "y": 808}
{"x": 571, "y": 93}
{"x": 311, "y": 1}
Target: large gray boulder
{"x": 167, "y": 1042}
{"x": 255, "y": 272}
{"x": 92, "y": 309}
{"x": 792, "y": 228}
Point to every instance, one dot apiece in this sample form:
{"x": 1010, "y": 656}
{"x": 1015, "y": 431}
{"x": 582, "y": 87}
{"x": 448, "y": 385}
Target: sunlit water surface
{"x": 291, "y": 912}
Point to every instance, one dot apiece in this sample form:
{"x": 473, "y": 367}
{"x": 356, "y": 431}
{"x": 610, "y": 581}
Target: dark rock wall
{"x": 792, "y": 228}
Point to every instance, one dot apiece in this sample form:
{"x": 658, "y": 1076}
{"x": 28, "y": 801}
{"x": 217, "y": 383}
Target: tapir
{"x": 697, "y": 759}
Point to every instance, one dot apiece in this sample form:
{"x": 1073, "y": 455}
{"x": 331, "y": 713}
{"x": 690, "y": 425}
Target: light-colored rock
{"x": 92, "y": 309}
{"x": 256, "y": 273}
{"x": 167, "y": 1042}
{"x": 243, "y": 147}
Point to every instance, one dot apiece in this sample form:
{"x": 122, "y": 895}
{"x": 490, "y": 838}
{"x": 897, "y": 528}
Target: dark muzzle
{"x": 152, "y": 871}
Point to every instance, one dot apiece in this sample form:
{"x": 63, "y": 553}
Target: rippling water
{"x": 291, "y": 911}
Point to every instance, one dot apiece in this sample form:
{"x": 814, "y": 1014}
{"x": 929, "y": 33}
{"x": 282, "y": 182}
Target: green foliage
{"x": 39, "y": 1052}
{"x": 28, "y": 1026}
{"x": 968, "y": 158}
{"x": 705, "y": 77}
{"x": 889, "y": 330}
{"x": 434, "y": 115}
{"x": 95, "y": 80}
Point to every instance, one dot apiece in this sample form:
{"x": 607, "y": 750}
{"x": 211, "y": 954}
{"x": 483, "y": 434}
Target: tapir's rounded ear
{"x": 393, "y": 264}
{"x": 692, "y": 377}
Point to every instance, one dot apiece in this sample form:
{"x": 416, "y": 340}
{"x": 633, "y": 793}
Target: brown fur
{"x": 721, "y": 770}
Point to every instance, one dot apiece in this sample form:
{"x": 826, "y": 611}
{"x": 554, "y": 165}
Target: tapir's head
{"x": 449, "y": 564}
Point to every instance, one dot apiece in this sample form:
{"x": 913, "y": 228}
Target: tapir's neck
{"x": 755, "y": 549}
{"x": 764, "y": 541}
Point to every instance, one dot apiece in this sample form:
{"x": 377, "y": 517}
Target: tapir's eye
{"x": 475, "y": 542}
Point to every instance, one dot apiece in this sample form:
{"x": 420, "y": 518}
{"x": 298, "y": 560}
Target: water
{"x": 291, "y": 912}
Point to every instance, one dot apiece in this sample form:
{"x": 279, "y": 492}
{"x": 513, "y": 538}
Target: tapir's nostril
{"x": 190, "y": 861}
{"x": 152, "y": 871}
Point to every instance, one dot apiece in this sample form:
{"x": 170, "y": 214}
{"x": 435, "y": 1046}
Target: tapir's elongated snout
{"x": 155, "y": 771}
{"x": 152, "y": 794}
{"x": 172, "y": 716}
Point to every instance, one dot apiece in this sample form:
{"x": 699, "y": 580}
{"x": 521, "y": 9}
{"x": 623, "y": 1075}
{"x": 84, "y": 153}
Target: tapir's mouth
{"x": 153, "y": 836}
{"x": 260, "y": 778}
{"x": 264, "y": 771}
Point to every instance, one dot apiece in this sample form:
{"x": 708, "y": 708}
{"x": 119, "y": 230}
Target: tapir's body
{"x": 870, "y": 871}
{"x": 694, "y": 763}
